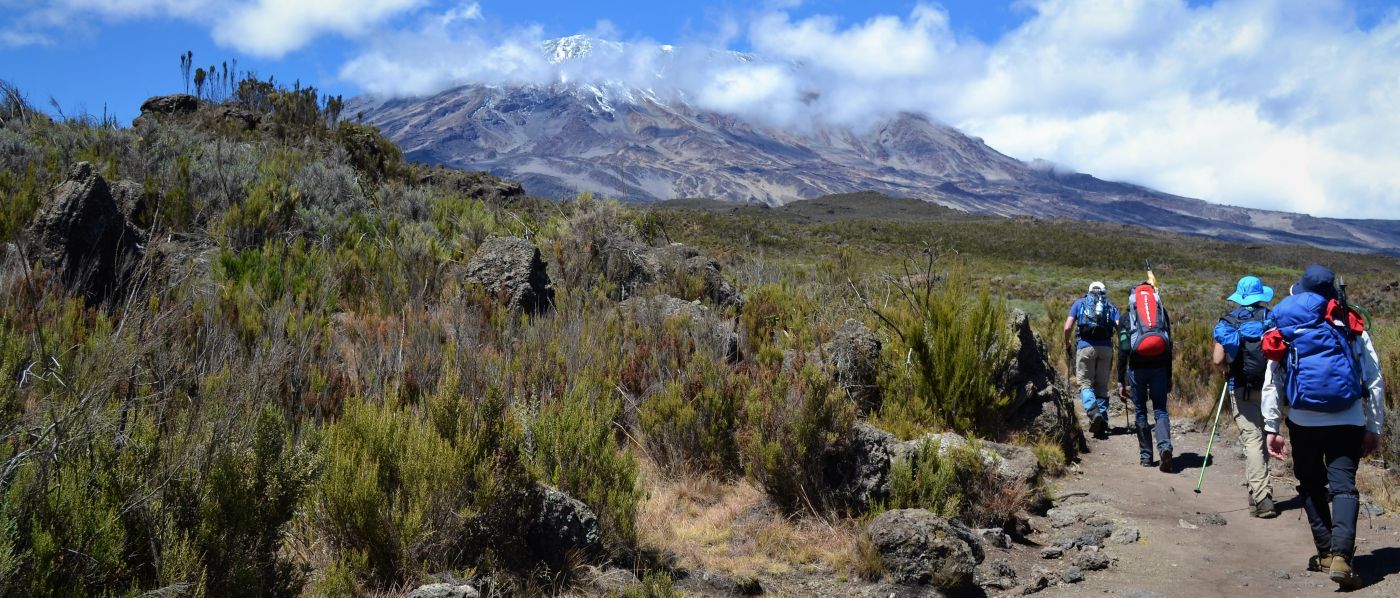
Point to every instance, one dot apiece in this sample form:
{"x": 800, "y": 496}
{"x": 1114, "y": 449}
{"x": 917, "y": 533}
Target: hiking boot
{"x": 1166, "y": 466}
{"x": 1145, "y": 461}
{"x": 1320, "y": 563}
{"x": 1342, "y": 574}
{"x": 1099, "y": 427}
{"x": 1264, "y": 509}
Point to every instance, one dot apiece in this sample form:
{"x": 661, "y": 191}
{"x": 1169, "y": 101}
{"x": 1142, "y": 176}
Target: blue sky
{"x": 1286, "y": 104}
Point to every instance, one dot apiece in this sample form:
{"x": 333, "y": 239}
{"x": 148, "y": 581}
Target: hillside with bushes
{"x": 248, "y": 349}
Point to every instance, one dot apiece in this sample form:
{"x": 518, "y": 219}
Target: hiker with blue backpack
{"x": 1239, "y": 353}
{"x": 1093, "y": 319}
{"x": 1145, "y": 369}
{"x": 1323, "y": 366}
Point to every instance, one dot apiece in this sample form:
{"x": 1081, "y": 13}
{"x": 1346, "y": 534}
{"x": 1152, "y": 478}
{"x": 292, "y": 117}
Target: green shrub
{"x": 774, "y": 317}
{"x": 576, "y": 450}
{"x": 690, "y": 424}
{"x": 957, "y": 345}
{"x": 935, "y": 479}
{"x": 792, "y": 420}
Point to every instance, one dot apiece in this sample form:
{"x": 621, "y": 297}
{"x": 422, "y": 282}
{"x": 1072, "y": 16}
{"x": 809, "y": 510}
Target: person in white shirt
{"x": 1328, "y": 437}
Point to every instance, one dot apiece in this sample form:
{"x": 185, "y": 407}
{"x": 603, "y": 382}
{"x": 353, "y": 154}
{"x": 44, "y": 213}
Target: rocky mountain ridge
{"x": 637, "y": 144}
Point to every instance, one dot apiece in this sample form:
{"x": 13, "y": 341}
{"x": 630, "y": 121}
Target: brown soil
{"x": 1246, "y": 557}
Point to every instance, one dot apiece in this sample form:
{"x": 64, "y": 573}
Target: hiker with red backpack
{"x": 1145, "y": 369}
{"x": 1323, "y": 366}
{"x": 1239, "y": 353}
{"x": 1093, "y": 318}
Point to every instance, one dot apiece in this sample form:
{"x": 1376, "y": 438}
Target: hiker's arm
{"x": 1269, "y": 405}
{"x": 1269, "y": 399}
{"x": 1217, "y": 358}
{"x": 1375, "y": 385}
{"x": 1069, "y": 332}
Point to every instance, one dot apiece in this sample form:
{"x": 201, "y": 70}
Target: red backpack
{"x": 1148, "y": 328}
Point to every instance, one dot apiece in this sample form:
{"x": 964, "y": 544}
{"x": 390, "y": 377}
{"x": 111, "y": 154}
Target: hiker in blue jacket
{"x": 1324, "y": 367}
{"x": 1094, "y": 319}
{"x": 1239, "y": 354}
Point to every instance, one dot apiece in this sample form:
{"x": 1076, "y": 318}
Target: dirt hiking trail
{"x": 1187, "y": 550}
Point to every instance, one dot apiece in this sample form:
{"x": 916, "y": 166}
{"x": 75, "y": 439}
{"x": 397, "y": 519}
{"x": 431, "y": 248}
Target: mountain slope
{"x": 633, "y": 144}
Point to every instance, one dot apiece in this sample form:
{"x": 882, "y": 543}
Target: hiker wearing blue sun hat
{"x": 1239, "y": 354}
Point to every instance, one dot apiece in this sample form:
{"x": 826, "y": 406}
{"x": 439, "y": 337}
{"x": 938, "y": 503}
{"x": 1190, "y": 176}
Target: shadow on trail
{"x": 1379, "y": 564}
{"x": 1288, "y": 505}
{"x": 1186, "y": 461}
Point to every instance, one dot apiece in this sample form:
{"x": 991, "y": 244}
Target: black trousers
{"x": 1325, "y": 460}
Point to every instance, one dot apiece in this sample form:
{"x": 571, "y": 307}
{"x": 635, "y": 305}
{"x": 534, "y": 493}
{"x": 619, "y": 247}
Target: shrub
{"x": 955, "y": 338}
{"x": 690, "y": 424}
{"x": 576, "y": 450}
{"x": 955, "y": 480}
{"x": 792, "y": 421}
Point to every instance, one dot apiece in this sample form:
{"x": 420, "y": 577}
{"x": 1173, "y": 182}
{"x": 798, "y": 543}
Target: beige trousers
{"x": 1246, "y": 404}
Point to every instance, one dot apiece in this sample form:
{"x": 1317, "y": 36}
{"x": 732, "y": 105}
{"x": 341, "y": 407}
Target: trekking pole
{"x": 1219, "y": 406}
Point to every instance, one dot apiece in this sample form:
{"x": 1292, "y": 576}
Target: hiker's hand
{"x": 1370, "y": 444}
{"x": 1277, "y": 447}
{"x": 1123, "y": 392}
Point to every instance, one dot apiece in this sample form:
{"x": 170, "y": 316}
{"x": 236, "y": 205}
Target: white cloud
{"x": 274, "y": 27}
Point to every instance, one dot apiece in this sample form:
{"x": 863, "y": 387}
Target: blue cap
{"x": 1317, "y": 279}
{"x": 1250, "y": 290}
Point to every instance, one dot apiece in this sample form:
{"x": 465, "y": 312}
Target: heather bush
{"x": 954, "y": 346}
{"x": 936, "y": 478}
{"x": 792, "y": 421}
{"x": 689, "y": 425}
{"x": 576, "y": 448}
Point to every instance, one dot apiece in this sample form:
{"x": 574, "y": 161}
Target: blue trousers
{"x": 1151, "y": 384}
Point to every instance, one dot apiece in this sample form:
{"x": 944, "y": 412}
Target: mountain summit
{"x": 622, "y": 139}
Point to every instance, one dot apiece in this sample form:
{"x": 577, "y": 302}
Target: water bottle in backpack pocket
{"x": 1095, "y": 318}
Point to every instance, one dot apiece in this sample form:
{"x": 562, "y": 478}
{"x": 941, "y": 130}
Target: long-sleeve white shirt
{"x": 1369, "y": 411}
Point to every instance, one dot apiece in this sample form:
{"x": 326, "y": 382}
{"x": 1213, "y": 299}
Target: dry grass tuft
{"x": 732, "y": 527}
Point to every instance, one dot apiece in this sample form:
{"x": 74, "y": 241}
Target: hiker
{"x": 1145, "y": 370}
{"x": 1239, "y": 353}
{"x": 1093, "y": 319}
{"x": 1323, "y": 367}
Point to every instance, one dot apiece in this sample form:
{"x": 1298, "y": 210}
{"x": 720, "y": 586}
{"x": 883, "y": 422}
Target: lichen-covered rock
{"x": 474, "y": 184}
{"x": 857, "y": 468}
{"x": 510, "y": 268}
{"x": 718, "y": 334}
{"x": 920, "y": 548}
{"x": 173, "y": 104}
{"x": 444, "y": 590}
{"x": 81, "y": 234}
{"x": 678, "y": 260}
{"x": 562, "y": 528}
{"x": 1039, "y": 405}
{"x": 853, "y": 355}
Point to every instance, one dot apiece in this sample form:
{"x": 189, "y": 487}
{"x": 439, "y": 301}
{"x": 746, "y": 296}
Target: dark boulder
{"x": 174, "y": 104}
{"x": 130, "y": 197}
{"x": 1039, "y": 405}
{"x": 857, "y": 468}
{"x": 853, "y": 356}
{"x": 563, "y": 528}
{"x": 81, "y": 234}
{"x": 235, "y": 117}
{"x": 510, "y": 268}
{"x": 920, "y": 548}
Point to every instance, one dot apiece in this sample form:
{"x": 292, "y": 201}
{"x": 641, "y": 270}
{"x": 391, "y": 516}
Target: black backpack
{"x": 1248, "y": 366}
{"x": 1095, "y": 317}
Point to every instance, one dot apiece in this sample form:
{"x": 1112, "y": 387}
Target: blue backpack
{"x": 1095, "y": 318}
{"x": 1323, "y": 372}
{"x": 1241, "y": 334}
